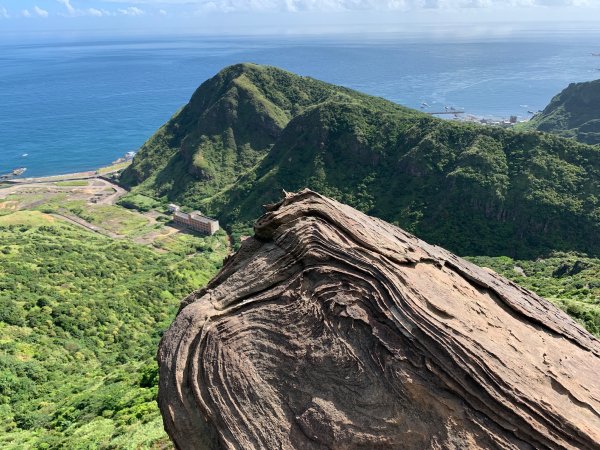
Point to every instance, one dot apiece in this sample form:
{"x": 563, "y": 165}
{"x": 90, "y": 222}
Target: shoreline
{"x": 86, "y": 175}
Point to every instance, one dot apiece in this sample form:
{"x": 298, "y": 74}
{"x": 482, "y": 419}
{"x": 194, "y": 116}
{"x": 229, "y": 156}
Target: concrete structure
{"x": 197, "y": 222}
{"x": 173, "y": 208}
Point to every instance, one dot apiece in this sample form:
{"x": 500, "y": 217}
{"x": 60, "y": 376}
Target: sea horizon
{"x": 83, "y": 103}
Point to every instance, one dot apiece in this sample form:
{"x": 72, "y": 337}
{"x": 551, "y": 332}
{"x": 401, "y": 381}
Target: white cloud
{"x": 162, "y": 12}
{"x": 67, "y": 4}
{"x": 4, "y": 13}
{"x": 75, "y": 12}
{"x": 131, "y": 11}
{"x": 365, "y": 5}
{"x": 40, "y": 12}
{"x": 25, "y": 13}
{"x": 97, "y": 12}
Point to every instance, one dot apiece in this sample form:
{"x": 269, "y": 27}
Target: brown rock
{"x": 333, "y": 330}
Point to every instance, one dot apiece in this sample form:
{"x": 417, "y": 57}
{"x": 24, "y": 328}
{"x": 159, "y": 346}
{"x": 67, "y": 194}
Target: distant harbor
{"x": 117, "y": 165}
{"x": 105, "y": 172}
{"x": 462, "y": 116}
{"x": 503, "y": 122}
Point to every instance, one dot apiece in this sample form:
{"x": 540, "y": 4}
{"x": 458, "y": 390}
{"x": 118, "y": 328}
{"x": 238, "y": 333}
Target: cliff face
{"x": 331, "y": 329}
{"x": 574, "y": 113}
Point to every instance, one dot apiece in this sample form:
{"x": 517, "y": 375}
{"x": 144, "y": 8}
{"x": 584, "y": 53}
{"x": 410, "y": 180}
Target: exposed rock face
{"x": 333, "y": 330}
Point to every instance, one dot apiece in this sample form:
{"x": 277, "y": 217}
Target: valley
{"x": 91, "y": 202}
{"x": 86, "y": 288}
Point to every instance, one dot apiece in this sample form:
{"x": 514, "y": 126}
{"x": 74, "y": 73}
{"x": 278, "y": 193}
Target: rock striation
{"x": 330, "y": 329}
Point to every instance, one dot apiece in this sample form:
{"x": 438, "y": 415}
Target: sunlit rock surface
{"x": 333, "y": 330}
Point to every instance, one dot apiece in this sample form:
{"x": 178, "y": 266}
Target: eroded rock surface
{"x": 333, "y": 330}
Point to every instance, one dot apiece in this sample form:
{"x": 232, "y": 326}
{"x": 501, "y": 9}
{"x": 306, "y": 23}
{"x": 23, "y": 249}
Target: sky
{"x": 284, "y": 16}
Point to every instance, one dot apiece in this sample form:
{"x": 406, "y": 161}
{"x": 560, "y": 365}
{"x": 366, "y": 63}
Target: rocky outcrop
{"x": 330, "y": 329}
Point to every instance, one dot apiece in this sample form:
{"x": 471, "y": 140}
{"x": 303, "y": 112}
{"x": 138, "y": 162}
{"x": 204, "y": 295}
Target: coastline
{"x": 102, "y": 171}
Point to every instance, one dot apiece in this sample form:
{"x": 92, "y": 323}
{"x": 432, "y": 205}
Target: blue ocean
{"x": 68, "y": 106}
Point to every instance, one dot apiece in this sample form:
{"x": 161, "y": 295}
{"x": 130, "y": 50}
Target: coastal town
{"x": 502, "y": 122}
{"x": 460, "y": 115}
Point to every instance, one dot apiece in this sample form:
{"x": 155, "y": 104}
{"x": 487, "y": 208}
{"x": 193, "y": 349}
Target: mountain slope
{"x": 80, "y": 319}
{"x": 230, "y": 123}
{"x": 574, "y": 113}
{"x": 475, "y": 190}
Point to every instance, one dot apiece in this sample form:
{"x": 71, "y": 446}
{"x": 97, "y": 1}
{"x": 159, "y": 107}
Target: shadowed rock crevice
{"x": 333, "y": 330}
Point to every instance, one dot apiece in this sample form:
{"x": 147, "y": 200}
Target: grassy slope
{"x": 472, "y": 189}
{"x": 80, "y": 319}
{"x": 230, "y": 123}
{"x": 574, "y": 113}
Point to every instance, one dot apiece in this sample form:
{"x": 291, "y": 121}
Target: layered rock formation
{"x": 333, "y": 330}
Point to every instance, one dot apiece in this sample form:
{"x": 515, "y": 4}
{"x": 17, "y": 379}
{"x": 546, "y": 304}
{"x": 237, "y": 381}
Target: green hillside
{"x": 80, "y": 319}
{"x": 229, "y": 125}
{"x": 574, "y": 113}
{"x": 252, "y": 131}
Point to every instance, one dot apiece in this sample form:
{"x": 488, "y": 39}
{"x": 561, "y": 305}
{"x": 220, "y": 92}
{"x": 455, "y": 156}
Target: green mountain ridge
{"x": 251, "y": 131}
{"x": 574, "y": 113}
{"x": 230, "y": 123}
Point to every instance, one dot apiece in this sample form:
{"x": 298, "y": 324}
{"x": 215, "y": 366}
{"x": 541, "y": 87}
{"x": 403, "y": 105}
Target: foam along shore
{"x": 72, "y": 176}
{"x": 51, "y": 178}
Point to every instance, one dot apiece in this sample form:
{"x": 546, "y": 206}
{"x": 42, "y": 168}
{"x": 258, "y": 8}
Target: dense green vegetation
{"x": 80, "y": 320}
{"x": 574, "y": 113}
{"x": 229, "y": 125}
{"x": 81, "y": 315}
{"x": 252, "y": 131}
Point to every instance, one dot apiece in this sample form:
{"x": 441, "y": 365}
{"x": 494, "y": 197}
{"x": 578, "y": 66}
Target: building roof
{"x": 181, "y": 215}
{"x": 197, "y": 215}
